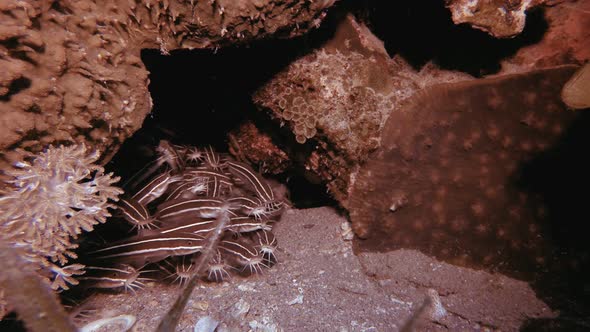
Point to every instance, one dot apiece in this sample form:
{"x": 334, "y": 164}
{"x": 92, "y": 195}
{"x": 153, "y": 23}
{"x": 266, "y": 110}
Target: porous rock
{"x": 72, "y": 72}
{"x": 70, "y": 75}
{"x": 250, "y": 144}
{"x": 499, "y": 18}
{"x": 566, "y": 39}
{"x": 338, "y": 97}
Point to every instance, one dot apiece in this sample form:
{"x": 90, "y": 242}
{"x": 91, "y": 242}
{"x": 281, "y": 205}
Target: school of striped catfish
{"x": 173, "y": 206}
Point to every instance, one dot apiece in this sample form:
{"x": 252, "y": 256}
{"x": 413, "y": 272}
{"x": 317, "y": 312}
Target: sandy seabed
{"x": 320, "y": 285}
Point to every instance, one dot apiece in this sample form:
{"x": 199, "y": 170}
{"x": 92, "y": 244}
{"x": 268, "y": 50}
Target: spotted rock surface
{"x": 450, "y": 177}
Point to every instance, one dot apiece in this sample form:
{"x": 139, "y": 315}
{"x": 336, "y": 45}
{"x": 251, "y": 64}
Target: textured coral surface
{"x": 339, "y": 96}
{"x": 249, "y": 144}
{"x": 350, "y": 102}
{"x": 342, "y": 93}
{"x": 69, "y": 75}
{"x": 449, "y": 177}
{"x": 566, "y": 39}
{"x": 500, "y": 18}
{"x": 71, "y": 70}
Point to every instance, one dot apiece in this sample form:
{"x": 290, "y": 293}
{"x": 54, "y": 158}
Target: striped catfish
{"x": 217, "y": 268}
{"x": 188, "y": 189}
{"x": 267, "y": 244}
{"x": 155, "y": 188}
{"x": 219, "y": 187}
{"x": 197, "y": 226}
{"x": 254, "y": 181}
{"x": 203, "y": 171}
{"x": 170, "y": 154}
{"x": 238, "y": 224}
{"x": 180, "y": 210}
{"x": 218, "y": 183}
{"x": 122, "y": 275}
{"x": 243, "y": 224}
{"x": 255, "y": 207}
{"x": 141, "y": 250}
{"x": 177, "y": 268}
{"x": 166, "y": 156}
{"x": 243, "y": 254}
{"x": 136, "y": 214}
{"x": 193, "y": 155}
{"x": 213, "y": 159}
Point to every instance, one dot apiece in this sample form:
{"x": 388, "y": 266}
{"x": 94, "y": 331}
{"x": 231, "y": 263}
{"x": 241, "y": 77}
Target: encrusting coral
{"x": 50, "y": 200}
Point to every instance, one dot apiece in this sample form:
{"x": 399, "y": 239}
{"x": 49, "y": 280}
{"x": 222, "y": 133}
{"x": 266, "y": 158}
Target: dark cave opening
{"x": 217, "y": 100}
{"x": 556, "y": 178}
{"x": 423, "y": 31}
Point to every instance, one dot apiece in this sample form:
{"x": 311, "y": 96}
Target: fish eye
{"x": 190, "y": 243}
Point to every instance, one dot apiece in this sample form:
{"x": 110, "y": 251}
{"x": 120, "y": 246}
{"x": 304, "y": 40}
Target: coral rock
{"x": 448, "y": 177}
{"x": 499, "y": 18}
{"x": 566, "y": 40}
{"x": 339, "y": 96}
{"x": 72, "y": 72}
{"x": 70, "y": 77}
{"x": 248, "y": 143}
